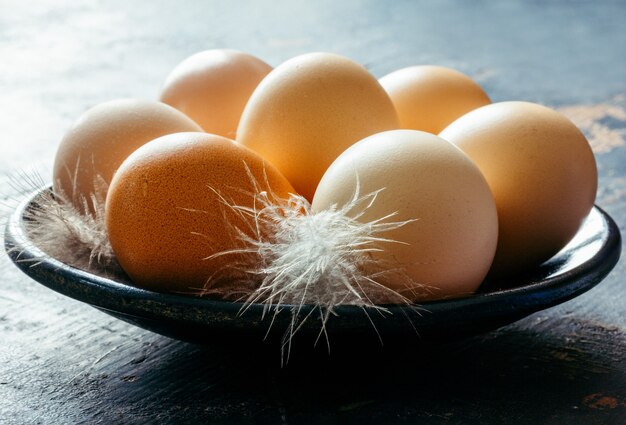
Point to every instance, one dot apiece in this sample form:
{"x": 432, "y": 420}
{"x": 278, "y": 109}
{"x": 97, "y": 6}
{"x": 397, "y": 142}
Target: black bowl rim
{"x": 126, "y": 299}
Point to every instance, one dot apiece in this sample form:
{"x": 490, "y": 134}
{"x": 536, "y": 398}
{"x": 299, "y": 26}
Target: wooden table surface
{"x": 63, "y": 362}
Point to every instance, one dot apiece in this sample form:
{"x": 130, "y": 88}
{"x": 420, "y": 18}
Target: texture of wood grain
{"x": 64, "y": 362}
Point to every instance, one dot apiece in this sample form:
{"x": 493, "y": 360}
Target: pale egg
{"x": 212, "y": 87}
{"x": 310, "y": 109}
{"x": 448, "y": 248}
{"x": 428, "y": 97}
{"x": 95, "y": 146}
{"x": 168, "y": 208}
{"x": 541, "y": 171}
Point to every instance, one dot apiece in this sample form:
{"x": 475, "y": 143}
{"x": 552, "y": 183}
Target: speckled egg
{"x": 168, "y": 208}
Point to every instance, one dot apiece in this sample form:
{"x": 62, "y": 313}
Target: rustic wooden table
{"x": 64, "y": 362}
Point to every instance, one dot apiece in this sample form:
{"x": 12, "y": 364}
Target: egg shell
{"x": 310, "y": 109}
{"x": 429, "y": 98}
{"x": 163, "y": 213}
{"x": 212, "y": 87}
{"x": 541, "y": 171}
{"x": 95, "y": 146}
{"x": 450, "y": 245}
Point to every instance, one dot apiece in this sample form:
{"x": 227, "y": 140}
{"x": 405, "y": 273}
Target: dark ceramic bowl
{"x": 578, "y": 267}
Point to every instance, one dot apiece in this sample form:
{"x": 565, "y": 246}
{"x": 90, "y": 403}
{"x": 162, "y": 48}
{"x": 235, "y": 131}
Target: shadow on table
{"x": 512, "y": 376}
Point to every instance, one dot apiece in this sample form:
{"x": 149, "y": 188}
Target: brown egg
{"x": 213, "y": 87}
{"x": 448, "y": 249}
{"x": 95, "y": 146}
{"x": 310, "y": 109}
{"x": 428, "y": 98}
{"x": 163, "y": 213}
{"x": 541, "y": 171}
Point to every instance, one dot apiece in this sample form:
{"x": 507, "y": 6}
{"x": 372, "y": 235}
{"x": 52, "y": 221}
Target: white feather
{"x": 321, "y": 259}
{"x": 57, "y": 228}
